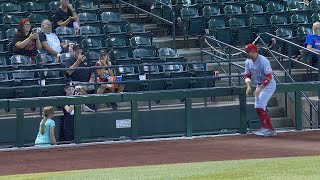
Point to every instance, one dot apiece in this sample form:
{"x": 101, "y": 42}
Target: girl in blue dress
{"x": 46, "y": 135}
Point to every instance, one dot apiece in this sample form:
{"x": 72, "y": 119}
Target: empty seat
{"x": 34, "y": 7}
{"x": 240, "y": 32}
{"x": 274, "y": 7}
{"x": 91, "y": 44}
{"x": 132, "y": 28}
{"x": 158, "y": 81}
{"x": 217, "y": 28}
{"x": 53, "y": 6}
{"x": 92, "y": 57}
{"x": 130, "y": 84}
{"x": 90, "y": 31}
{"x": 27, "y": 84}
{"x": 232, "y": 10}
{"x": 299, "y": 19}
{"x": 64, "y": 31}
{"x": 254, "y": 9}
{"x": 37, "y": 19}
{"x": 6, "y": 87}
{"x": 107, "y": 17}
{"x": 167, "y": 53}
{"x": 116, "y": 41}
{"x": 11, "y": 20}
{"x": 296, "y": 6}
{"x": 10, "y": 33}
{"x": 315, "y": 17}
{"x": 20, "y": 61}
{"x": 284, "y": 33}
{"x": 10, "y": 8}
{"x": 140, "y": 41}
{"x": 210, "y": 11}
{"x": 110, "y": 29}
{"x": 315, "y": 5}
{"x": 302, "y": 32}
{"x": 88, "y": 19}
{"x": 85, "y": 6}
{"x": 121, "y": 53}
{"x": 145, "y": 52}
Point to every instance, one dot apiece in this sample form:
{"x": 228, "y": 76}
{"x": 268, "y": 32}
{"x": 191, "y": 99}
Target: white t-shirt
{"x": 52, "y": 40}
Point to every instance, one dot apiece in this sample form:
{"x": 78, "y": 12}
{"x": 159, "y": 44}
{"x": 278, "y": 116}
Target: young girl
{"x": 46, "y": 130}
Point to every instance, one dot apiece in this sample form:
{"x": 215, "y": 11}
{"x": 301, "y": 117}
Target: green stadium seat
{"x": 253, "y": 9}
{"x": 284, "y": 33}
{"x": 6, "y": 87}
{"x": 158, "y": 81}
{"x": 53, "y": 6}
{"x": 107, "y": 17}
{"x": 88, "y": 19}
{"x": 90, "y": 44}
{"x": 86, "y": 6}
{"x": 315, "y": 17}
{"x": 121, "y": 53}
{"x": 131, "y": 86}
{"x": 115, "y": 41}
{"x": 259, "y": 25}
{"x": 10, "y": 8}
{"x": 274, "y": 7}
{"x": 11, "y": 21}
{"x": 210, "y": 11}
{"x": 217, "y": 28}
{"x": 132, "y": 28}
{"x": 302, "y": 32}
{"x": 182, "y": 83}
{"x": 65, "y": 56}
{"x": 90, "y": 31}
{"x": 36, "y": 19}
{"x": 34, "y": 7}
{"x": 314, "y": 5}
{"x": 67, "y": 33}
{"x": 110, "y": 30}
{"x": 240, "y": 32}
{"x": 139, "y": 41}
{"x": 149, "y": 51}
{"x": 92, "y": 57}
{"x": 26, "y": 84}
{"x": 167, "y": 53}
{"x": 21, "y": 62}
{"x": 299, "y": 19}
{"x": 232, "y": 10}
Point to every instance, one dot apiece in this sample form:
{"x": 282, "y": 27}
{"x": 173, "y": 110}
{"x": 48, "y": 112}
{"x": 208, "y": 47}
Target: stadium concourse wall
{"x": 185, "y": 121}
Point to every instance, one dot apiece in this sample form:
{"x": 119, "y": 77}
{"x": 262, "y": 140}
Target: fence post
{"x": 77, "y": 125}
{"x": 20, "y": 127}
{"x": 134, "y": 120}
{"x": 188, "y": 118}
{"x": 298, "y": 109}
{"x": 318, "y": 90}
{"x": 243, "y": 114}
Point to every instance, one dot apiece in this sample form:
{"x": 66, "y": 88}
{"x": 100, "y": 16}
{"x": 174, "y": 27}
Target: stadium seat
{"x": 284, "y": 33}
{"x": 36, "y": 19}
{"x": 315, "y": 17}
{"x": 139, "y": 41}
{"x": 4, "y": 65}
{"x": 131, "y": 86}
{"x": 34, "y": 7}
{"x": 274, "y": 7}
{"x": 116, "y": 41}
{"x": 92, "y": 57}
{"x": 21, "y": 62}
{"x": 158, "y": 80}
{"x": 91, "y": 44}
{"x": 302, "y": 32}
{"x": 259, "y": 25}
{"x": 145, "y": 52}
{"x": 240, "y": 32}
{"x": 26, "y": 84}
{"x": 253, "y": 9}
{"x": 232, "y": 10}
{"x": 277, "y": 21}
{"x": 118, "y": 54}
{"x": 11, "y": 21}
{"x": 67, "y": 33}
{"x": 314, "y": 5}
{"x": 6, "y": 87}
{"x": 217, "y": 28}
{"x": 86, "y": 6}
{"x": 10, "y": 8}
{"x": 132, "y": 28}
{"x": 210, "y": 11}
{"x": 53, "y": 6}
{"x": 88, "y": 19}
{"x": 203, "y": 76}
{"x": 167, "y": 53}
{"x": 65, "y": 56}
{"x": 90, "y": 31}
{"x": 107, "y": 17}
{"x": 193, "y": 24}
{"x": 296, "y": 6}
{"x": 110, "y": 29}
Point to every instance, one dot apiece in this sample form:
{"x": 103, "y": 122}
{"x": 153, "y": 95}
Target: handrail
{"x": 173, "y": 23}
{"x": 294, "y": 44}
{"x": 286, "y": 72}
{"x": 214, "y": 39}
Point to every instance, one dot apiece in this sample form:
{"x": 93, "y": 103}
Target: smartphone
{"x": 34, "y": 30}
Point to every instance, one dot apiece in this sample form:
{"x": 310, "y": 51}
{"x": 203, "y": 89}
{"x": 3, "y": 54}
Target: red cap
{"x": 23, "y": 21}
{"x": 251, "y": 47}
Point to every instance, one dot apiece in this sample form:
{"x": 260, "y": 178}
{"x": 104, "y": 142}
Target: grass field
{"x": 299, "y": 168}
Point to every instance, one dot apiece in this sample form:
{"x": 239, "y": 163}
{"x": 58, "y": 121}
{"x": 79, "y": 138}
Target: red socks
{"x": 264, "y": 119}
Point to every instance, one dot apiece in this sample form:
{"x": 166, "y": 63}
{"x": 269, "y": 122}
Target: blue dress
{"x": 44, "y": 139}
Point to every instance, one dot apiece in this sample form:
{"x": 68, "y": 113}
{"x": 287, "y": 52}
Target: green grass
{"x": 299, "y": 168}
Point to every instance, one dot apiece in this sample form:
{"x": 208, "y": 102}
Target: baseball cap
{"x": 77, "y": 46}
{"x": 251, "y": 47}
{"x": 103, "y": 52}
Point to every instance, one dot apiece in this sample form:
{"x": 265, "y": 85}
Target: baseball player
{"x": 258, "y": 68}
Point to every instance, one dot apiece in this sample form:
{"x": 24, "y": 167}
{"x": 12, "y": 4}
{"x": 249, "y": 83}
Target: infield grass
{"x": 293, "y": 168}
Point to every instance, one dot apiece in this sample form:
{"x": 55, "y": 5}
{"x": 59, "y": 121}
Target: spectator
{"x": 80, "y": 76}
{"x": 66, "y": 15}
{"x": 67, "y": 123}
{"x": 46, "y": 135}
{"x": 313, "y": 42}
{"x": 50, "y": 41}
{"x": 25, "y": 41}
{"x": 107, "y": 75}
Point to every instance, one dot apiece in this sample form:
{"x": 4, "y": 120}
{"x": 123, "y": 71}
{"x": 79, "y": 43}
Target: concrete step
{"x": 281, "y": 122}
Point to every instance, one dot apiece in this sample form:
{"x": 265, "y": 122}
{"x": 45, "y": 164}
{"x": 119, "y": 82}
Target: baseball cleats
{"x": 265, "y": 132}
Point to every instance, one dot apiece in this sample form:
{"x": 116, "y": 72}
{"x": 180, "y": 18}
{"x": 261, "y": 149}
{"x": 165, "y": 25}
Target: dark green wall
{"x": 154, "y": 122}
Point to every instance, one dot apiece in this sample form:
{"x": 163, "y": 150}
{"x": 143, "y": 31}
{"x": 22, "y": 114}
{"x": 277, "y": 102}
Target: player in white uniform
{"x": 258, "y": 68}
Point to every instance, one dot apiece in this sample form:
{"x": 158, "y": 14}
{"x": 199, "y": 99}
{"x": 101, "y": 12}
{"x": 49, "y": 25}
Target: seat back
{"x": 237, "y": 22}
{"x": 274, "y": 7}
{"x": 19, "y": 60}
{"x": 89, "y": 30}
{"x": 110, "y": 16}
{"x": 209, "y": 11}
{"x": 284, "y": 33}
{"x": 133, "y": 27}
{"x": 144, "y": 52}
{"x": 232, "y": 9}
{"x": 275, "y": 19}
{"x": 189, "y": 12}
{"x": 64, "y": 31}
{"x": 87, "y": 17}
{"x": 167, "y": 52}
{"x": 253, "y": 8}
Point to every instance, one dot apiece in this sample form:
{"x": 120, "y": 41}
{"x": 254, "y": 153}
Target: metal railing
{"x": 172, "y": 23}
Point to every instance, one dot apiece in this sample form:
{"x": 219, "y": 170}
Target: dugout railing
{"x": 187, "y": 94}
{"x": 217, "y": 52}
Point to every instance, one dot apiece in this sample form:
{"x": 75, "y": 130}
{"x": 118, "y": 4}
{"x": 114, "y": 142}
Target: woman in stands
{"x": 25, "y": 41}
{"x": 66, "y": 15}
{"x": 107, "y": 75}
{"x": 46, "y": 135}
